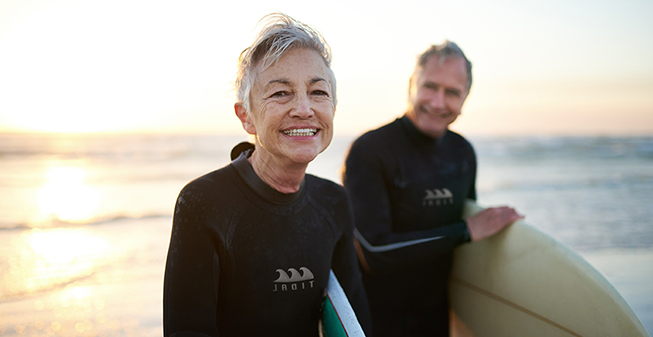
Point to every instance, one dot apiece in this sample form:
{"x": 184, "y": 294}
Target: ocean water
{"x": 85, "y": 219}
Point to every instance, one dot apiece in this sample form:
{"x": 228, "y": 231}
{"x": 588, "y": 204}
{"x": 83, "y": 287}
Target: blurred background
{"x": 107, "y": 108}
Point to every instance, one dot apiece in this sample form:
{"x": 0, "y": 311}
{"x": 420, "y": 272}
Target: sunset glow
{"x": 148, "y": 66}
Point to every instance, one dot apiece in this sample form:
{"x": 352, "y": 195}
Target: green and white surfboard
{"x": 338, "y": 317}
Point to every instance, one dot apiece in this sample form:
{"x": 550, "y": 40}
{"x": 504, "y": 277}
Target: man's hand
{"x": 490, "y": 221}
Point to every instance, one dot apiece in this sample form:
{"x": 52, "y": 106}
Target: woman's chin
{"x": 303, "y": 158}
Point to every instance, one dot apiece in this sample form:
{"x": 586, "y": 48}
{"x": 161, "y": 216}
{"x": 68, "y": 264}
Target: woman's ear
{"x": 244, "y": 117}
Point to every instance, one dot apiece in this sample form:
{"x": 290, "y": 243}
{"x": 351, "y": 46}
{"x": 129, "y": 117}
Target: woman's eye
{"x": 280, "y": 94}
{"x": 320, "y": 92}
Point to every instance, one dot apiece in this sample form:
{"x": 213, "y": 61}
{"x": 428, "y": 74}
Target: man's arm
{"x": 490, "y": 221}
{"x": 366, "y": 180}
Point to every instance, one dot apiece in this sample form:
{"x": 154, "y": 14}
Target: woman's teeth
{"x": 300, "y": 132}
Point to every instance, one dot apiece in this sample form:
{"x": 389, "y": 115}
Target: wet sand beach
{"x": 97, "y": 269}
{"x": 119, "y": 297}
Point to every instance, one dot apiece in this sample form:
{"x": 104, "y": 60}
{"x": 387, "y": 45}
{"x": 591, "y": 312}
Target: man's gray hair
{"x": 445, "y": 50}
{"x": 279, "y": 34}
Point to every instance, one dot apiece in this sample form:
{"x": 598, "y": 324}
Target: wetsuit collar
{"x": 417, "y": 136}
{"x": 246, "y": 171}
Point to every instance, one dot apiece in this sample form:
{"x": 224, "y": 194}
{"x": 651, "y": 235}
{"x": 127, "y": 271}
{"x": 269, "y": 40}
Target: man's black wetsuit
{"x": 247, "y": 260}
{"x": 408, "y": 191}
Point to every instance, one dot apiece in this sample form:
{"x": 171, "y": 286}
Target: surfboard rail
{"x": 523, "y": 282}
{"x": 338, "y": 317}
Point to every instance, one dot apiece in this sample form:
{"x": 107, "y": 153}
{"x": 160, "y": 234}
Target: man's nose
{"x": 437, "y": 100}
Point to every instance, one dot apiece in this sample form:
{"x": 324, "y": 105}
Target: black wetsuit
{"x": 408, "y": 191}
{"x": 247, "y": 260}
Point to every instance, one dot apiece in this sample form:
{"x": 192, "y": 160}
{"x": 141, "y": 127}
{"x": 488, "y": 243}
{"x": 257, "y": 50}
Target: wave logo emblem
{"x": 438, "y": 197}
{"x": 296, "y": 280}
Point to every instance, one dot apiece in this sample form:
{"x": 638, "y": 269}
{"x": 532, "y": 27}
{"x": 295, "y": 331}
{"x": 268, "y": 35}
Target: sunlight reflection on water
{"x": 48, "y": 258}
{"x": 66, "y": 196}
{"x": 83, "y": 281}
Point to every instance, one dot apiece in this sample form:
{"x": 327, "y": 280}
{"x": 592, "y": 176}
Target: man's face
{"x": 437, "y": 95}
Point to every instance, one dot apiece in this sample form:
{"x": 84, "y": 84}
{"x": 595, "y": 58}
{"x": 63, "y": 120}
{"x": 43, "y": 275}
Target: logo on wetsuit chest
{"x": 437, "y": 197}
{"x": 296, "y": 280}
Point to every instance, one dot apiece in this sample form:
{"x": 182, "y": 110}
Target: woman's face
{"x": 292, "y": 108}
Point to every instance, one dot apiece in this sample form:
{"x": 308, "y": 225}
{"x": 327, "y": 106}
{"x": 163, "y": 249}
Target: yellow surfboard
{"x": 523, "y": 282}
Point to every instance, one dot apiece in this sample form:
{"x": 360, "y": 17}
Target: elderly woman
{"x": 253, "y": 242}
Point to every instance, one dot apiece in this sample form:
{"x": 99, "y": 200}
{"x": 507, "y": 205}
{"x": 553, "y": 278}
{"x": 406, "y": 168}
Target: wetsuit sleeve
{"x": 345, "y": 267}
{"x": 472, "y": 189}
{"x": 382, "y": 250}
{"x": 190, "y": 293}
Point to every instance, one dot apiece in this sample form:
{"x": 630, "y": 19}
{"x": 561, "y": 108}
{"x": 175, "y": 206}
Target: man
{"x": 408, "y": 181}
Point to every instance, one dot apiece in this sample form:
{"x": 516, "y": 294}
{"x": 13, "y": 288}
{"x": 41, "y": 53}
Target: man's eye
{"x": 454, "y": 93}
{"x": 430, "y": 86}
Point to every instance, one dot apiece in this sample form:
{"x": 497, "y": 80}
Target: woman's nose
{"x": 302, "y": 107}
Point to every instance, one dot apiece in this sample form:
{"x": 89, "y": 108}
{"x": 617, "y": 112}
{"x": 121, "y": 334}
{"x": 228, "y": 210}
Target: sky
{"x": 562, "y": 67}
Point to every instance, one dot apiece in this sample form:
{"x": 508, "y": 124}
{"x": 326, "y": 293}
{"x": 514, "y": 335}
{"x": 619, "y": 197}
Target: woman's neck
{"x": 284, "y": 177}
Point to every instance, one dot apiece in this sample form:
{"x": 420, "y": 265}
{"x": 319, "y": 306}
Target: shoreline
{"x": 126, "y": 300}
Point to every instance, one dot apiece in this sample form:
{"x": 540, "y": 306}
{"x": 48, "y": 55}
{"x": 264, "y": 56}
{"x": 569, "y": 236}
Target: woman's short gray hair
{"x": 279, "y": 34}
{"x": 445, "y": 50}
